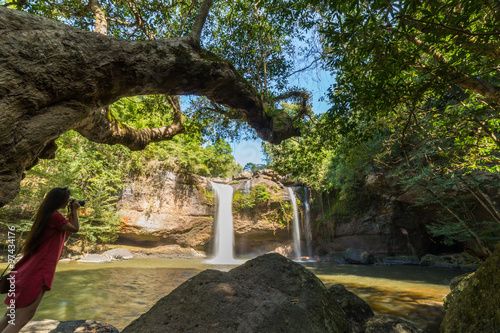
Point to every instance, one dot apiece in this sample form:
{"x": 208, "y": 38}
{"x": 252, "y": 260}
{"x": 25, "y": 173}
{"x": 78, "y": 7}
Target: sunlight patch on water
{"x": 418, "y": 302}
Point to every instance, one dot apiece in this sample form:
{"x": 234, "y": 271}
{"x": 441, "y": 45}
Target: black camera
{"x": 80, "y": 202}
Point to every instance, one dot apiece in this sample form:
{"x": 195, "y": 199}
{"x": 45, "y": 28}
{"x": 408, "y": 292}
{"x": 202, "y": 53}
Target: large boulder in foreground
{"x": 475, "y": 308}
{"x": 267, "y": 294}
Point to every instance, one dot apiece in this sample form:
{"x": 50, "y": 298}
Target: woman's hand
{"x": 75, "y": 205}
{"x": 73, "y": 225}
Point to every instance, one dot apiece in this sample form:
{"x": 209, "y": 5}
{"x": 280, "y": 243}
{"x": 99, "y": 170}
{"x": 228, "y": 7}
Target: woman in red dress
{"x": 34, "y": 273}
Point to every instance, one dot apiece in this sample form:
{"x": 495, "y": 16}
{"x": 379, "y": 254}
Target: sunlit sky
{"x": 318, "y": 82}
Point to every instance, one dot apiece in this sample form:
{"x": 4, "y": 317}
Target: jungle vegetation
{"x": 415, "y": 95}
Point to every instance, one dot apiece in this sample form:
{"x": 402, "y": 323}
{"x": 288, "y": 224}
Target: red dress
{"x": 37, "y": 270}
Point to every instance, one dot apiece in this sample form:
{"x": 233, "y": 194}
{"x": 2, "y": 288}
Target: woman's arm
{"x": 73, "y": 225}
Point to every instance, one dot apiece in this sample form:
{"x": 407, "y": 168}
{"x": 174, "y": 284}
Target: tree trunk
{"x": 54, "y": 77}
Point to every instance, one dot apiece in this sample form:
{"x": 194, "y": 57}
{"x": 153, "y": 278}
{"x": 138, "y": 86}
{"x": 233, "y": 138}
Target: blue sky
{"x": 318, "y": 82}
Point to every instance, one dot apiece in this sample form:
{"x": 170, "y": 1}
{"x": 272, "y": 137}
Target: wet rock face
{"x": 387, "y": 227}
{"x": 358, "y": 256}
{"x": 267, "y": 294}
{"x": 178, "y": 209}
{"x": 474, "y": 304}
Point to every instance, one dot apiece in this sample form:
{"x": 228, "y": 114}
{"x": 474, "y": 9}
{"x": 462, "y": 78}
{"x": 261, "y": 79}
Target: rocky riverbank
{"x": 264, "y": 268}
{"x": 458, "y": 261}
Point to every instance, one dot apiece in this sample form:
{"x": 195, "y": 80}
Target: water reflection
{"x": 113, "y": 295}
{"x": 121, "y": 291}
{"x": 413, "y": 293}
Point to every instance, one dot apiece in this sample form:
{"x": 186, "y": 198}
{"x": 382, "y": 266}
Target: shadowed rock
{"x": 358, "y": 256}
{"x": 474, "y": 304}
{"x": 389, "y": 324}
{"x": 356, "y": 309}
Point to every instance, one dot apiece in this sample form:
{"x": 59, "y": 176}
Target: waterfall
{"x": 224, "y": 234}
{"x": 247, "y": 188}
{"x": 296, "y": 226}
{"x": 307, "y": 223}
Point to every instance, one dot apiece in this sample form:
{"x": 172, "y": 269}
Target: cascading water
{"x": 296, "y": 226}
{"x": 224, "y": 233}
{"x": 307, "y": 224}
{"x": 247, "y": 188}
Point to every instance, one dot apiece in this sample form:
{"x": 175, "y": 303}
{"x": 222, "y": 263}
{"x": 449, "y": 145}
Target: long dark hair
{"x": 53, "y": 200}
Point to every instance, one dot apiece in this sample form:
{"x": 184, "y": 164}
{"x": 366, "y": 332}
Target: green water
{"x": 119, "y": 292}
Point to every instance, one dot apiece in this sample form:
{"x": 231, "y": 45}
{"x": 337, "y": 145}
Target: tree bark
{"x": 53, "y": 77}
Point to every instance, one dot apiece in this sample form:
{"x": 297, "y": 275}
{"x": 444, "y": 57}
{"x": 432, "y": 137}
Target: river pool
{"x": 119, "y": 292}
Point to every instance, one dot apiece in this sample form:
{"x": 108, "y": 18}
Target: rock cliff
{"x": 178, "y": 208}
{"x": 391, "y": 220}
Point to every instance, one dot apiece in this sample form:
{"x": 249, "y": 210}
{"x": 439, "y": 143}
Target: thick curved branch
{"x": 52, "y": 74}
{"x": 101, "y": 127}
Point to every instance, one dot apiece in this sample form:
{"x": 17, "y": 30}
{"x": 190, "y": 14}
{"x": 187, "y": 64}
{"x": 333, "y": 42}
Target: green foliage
{"x": 414, "y": 97}
{"x": 410, "y": 59}
{"x": 209, "y": 196}
{"x": 283, "y": 213}
{"x": 260, "y": 194}
{"x": 189, "y": 151}
{"x": 350, "y": 164}
{"x": 97, "y": 173}
{"x": 252, "y": 167}
{"x": 457, "y": 197}
{"x": 242, "y": 201}
{"x": 307, "y": 157}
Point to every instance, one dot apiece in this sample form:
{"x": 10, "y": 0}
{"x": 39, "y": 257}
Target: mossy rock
{"x": 476, "y": 307}
{"x": 457, "y": 284}
{"x": 355, "y": 308}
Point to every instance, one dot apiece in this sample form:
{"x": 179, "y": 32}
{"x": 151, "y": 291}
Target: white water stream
{"x": 296, "y": 224}
{"x": 224, "y": 233}
{"x": 307, "y": 224}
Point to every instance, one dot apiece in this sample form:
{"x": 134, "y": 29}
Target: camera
{"x": 80, "y": 202}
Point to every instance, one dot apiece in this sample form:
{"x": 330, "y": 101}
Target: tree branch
{"x": 303, "y": 97}
{"x": 65, "y": 76}
{"x": 474, "y": 84}
{"x": 140, "y": 21}
{"x": 199, "y": 21}
{"x": 466, "y": 39}
{"x": 447, "y": 27}
{"x": 101, "y": 23}
{"x": 101, "y": 127}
